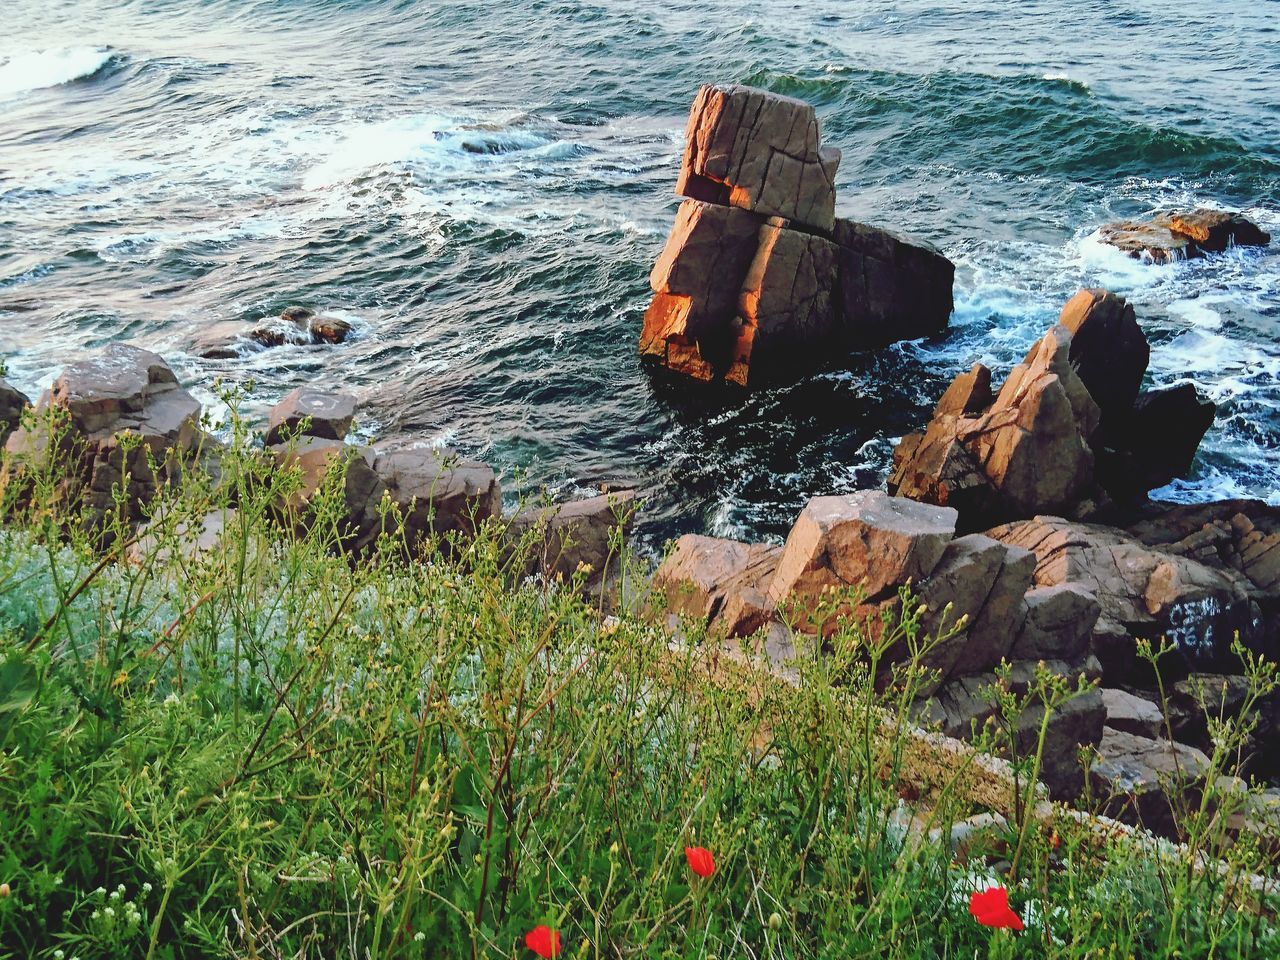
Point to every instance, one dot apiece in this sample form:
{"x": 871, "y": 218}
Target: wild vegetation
{"x": 272, "y": 749}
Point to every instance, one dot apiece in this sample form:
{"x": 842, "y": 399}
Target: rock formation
{"x": 1180, "y": 236}
{"x": 1069, "y": 432}
{"x": 122, "y": 422}
{"x": 758, "y": 273}
{"x": 882, "y": 543}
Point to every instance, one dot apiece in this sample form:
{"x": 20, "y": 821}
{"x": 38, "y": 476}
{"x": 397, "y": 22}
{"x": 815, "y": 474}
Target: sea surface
{"x": 482, "y": 188}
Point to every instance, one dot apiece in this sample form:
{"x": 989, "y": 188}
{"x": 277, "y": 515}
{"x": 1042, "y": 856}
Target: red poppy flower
{"x": 543, "y": 941}
{"x": 700, "y": 861}
{"x": 991, "y": 909}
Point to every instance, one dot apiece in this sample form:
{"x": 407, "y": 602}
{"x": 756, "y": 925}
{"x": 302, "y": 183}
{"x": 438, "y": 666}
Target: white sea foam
{"x": 37, "y": 69}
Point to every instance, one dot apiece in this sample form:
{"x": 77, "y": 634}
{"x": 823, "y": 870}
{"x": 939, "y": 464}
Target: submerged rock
{"x": 1181, "y": 236}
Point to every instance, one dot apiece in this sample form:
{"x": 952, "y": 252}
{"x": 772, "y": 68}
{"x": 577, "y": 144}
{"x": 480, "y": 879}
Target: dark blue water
{"x": 482, "y": 189}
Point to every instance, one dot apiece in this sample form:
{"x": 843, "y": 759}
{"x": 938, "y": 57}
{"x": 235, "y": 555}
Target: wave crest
{"x": 39, "y": 69}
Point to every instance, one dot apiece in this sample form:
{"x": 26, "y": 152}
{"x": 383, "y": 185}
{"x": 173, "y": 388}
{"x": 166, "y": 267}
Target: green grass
{"x": 275, "y": 750}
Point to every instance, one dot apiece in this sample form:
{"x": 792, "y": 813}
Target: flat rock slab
{"x": 327, "y": 415}
{"x": 1128, "y": 713}
{"x": 865, "y": 537}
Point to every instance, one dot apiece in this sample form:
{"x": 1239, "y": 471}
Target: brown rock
{"x": 1143, "y": 592}
{"x": 1179, "y": 236}
{"x": 362, "y": 488}
{"x": 1242, "y": 535}
{"x": 1028, "y": 453}
{"x": 121, "y": 391}
{"x": 327, "y": 415}
{"x": 968, "y": 396}
{"x": 1216, "y": 230}
{"x": 785, "y": 302}
{"x": 706, "y": 259}
{"x": 718, "y": 580}
{"x": 438, "y": 492}
{"x": 329, "y": 329}
{"x": 864, "y": 537}
{"x": 890, "y": 288}
{"x": 759, "y": 151}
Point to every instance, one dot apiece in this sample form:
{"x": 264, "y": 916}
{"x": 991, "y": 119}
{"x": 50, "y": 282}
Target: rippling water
{"x": 482, "y": 189}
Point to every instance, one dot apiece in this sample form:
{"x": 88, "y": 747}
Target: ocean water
{"x": 482, "y": 189}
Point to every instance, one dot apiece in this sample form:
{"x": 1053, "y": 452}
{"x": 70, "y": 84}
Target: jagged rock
{"x": 785, "y": 304}
{"x": 1108, "y": 349}
{"x": 575, "y": 536}
{"x": 1027, "y": 453}
{"x": 968, "y": 396}
{"x": 861, "y": 537}
{"x": 1154, "y": 442}
{"x": 890, "y": 288}
{"x": 1179, "y": 236}
{"x": 963, "y": 706}
{"x": 1132, "y": 714}
{"x": 1131, "y": 773}
{"x": 328, "y": 415}
{"x": 12, "y": 402}
{"x": 1057, "y": 622}
{"x": 121, "y": 391}
{"x": 1144, "y": 592}
{"x": 758, "y": 151}
{"x": 437, "y": 491}
{"x": 718, "y": 581}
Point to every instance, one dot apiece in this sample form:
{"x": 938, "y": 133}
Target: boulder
{"x": 865, "y": 537}
{"x": 1201, "y": 697}
{"x": 299, "y": 325}
{"x": 1144, "y": 592}
{"x": 1027, "y": 453}
{"x": 574, "y": 537}
{"x": 757, "y": 277}
{"x": 1180, "y": 236}
{"x": 329, "y": 329}
{"x": 1129, "y": 713}
{"x": 437, "y": 491}
{"x": 122, "y": 392}
{"x": 327, "y": 415}
{"x": 12, "y": 403}
{"x": 758, "y": 151}
{"x": 890, "y": 288}
{"x": 968, "y": 396}
{"x": 1057, "y": 622}
{"x": 1131, "y": 774}
{"x": 719, "y": 582}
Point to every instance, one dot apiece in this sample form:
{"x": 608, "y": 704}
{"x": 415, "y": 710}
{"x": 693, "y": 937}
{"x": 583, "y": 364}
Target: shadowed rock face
{"x": 327, "y": 415}
{"x": 1181, "y": 236}
{"x": 12, "y": 402}
{"x": 758, "y": 275}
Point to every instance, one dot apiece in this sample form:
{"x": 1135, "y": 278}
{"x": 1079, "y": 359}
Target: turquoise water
{"x": 482, "y": 189}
